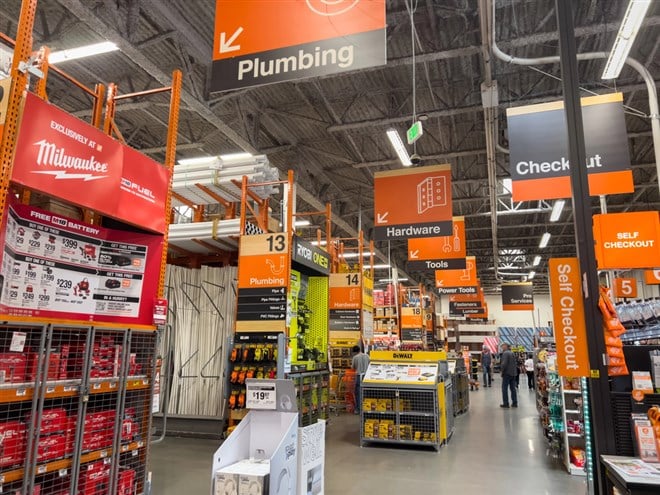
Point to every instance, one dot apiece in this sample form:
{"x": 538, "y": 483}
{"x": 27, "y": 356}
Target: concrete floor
{"x": 493, "y": 451}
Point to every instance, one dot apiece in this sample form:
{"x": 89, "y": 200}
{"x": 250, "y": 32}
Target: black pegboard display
{"x": 622, "y": 407}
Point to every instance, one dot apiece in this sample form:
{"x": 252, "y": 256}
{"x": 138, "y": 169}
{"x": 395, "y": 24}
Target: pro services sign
{"x": 268, "y": 41}
{"x": 538, "y": 144}
{"x": 518, "y": 296}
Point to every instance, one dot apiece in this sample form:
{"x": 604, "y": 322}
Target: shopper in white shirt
{"x": 529, "y": 369}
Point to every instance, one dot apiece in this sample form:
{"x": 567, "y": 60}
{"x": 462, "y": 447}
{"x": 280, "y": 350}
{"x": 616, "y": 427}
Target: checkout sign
{"x": 627, "y": 240}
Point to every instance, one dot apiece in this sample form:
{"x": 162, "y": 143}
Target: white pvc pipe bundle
{"x": 221, "y": 233}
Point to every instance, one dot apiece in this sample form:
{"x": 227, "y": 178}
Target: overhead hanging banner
{"x": 58, "y": 267}
{"x": 466, "y": 308}
{"x": 459, "y": 278}
{"x": 568, "y": 313}
{"x": 439, "y": 253}
{"x": 538, "y": 145}
{"x": 518, "y": 296}
{"x": 627, "y": 240}
{"x": 652, "y": 277}
{"x": 262, "y": 42}
{"x": 60, "y": 155}
{"x": 426, "y": 210}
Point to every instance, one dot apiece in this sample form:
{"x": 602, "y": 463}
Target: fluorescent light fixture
{"x": 545, "y": 240}
{"x": 198, "y": 160}
{"x": 507, "y": 185}
{"x": 355, "y": 255}
{"x": 82, "y": 52}
{"x": 300, "y": 223}
{"x": 390, "y": 280}
{"x": 531, "y": 275}
{"x": 537, "y": 261}
{"x": 557, "y": 208}
{"x": 625, "y": 38}
{"x": 316, "y": 243}
{"x": 398, "y": 146}
{"x": 236, "y": 156}
{"x": 381, "y": 267}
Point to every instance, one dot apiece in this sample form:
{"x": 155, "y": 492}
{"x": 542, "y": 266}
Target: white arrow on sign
{"x": 414, "y": 254}
{"x": 226, "y": 44}
{"x": 439, "y": 283}
{"x": 382, "y": 218}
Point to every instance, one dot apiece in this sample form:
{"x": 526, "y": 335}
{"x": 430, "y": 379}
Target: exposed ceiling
{"x": 331, "y": 130}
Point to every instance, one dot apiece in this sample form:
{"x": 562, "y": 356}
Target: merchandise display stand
{"x": 406, "y": 399}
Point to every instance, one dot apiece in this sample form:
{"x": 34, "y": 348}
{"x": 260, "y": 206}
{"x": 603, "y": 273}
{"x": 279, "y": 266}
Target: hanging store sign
{"x": 627, "y": 240}
{"x": 538, "y": 144}
{"x": 263, "y": 278}
{"x": 58, "y": 267}
{"x": 466, "y": 308}
{"x": 60, "y": 155}
{"x": 459, "y": 278}
{"x": 568, "y": 312}
{"x": 427, "y": 210}
{"x": 439, "y": 253}
{"x": 412, "y": 318}
{"x": 262, "y": 42}
{"x": 311, "y": 256}
{"x": 652, "y": 277}
{"x": 344, "y": 301}
{"x": 518, "y": 296}
{"x": 624, "y": 287}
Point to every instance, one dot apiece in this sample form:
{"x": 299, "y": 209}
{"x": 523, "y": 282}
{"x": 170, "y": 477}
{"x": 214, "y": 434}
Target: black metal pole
{"x": 599, "y": 389}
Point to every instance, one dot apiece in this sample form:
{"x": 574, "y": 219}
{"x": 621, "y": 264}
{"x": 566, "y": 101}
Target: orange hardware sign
{"x": 426, "y": 210}
{"x": 263, "y": 261}
{"x": 439, "y": 253}
{"x": 458, "y": 278}
{"x": 568, "y": 313}
{"x": 627, "y": 240}
{"x": 625, "y": 287}
{"x": 345, "y": 291}
{"x": 411, "y": 318}
{"x": 652, "y": 277}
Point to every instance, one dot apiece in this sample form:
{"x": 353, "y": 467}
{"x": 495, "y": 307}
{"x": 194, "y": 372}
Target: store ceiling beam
{"x": 179, "y": 147}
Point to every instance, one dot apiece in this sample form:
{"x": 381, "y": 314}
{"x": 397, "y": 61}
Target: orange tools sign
{"x": 263, "y": 279}
{"x": 458, "y": 281}
{"x": 413, "y": 203}
{"x": 652, "y": 277}
{"x": 627, "y": 240}
{"x": 518, "y": 296}
{"x": 266, "y": 41}
{"x": 568, "y": 313}
{"x": 538, "y": 146}
{"x": 439, "y": 253}
{"x": 625, "y": 287}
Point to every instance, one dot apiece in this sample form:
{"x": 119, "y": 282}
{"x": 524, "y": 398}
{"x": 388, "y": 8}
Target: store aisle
{"x": 493, "y": 451}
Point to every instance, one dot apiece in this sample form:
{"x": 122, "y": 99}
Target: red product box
{"x": 126, "y": 482}
{"x": 12, "y": 443}
{"x": 35, "y": 491}
{"x": 53, "y": 366}
{"x": 12, "y": 367}
{"x": 70, "y": 434}
{"x": 51, "y": 447}
{"x": 52, "y": 421}
{"x": 129, "y": 430}
{"x": 100, "y": 420}
{"x": 97, "y": 440}
{"x": 95, "y": 479}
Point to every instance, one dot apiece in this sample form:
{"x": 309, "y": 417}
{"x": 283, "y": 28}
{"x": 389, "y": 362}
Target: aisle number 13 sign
{"x": 264, "y": 260}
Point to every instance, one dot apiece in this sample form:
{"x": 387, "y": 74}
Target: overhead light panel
{"x": 355, "y": 255}
{"x": 531, "y": 275}
{"x": 390, "y": 280}
{"x": 82, "y": 52}
{"x": 545, "y": 240}
{"x": 537, "y": 261}
{"x": 398, "y": 146}
{"x": 381, "y": 267}
{"x": 625, "y": 38}
{"x": 557, "y": 208}
{"x": 198, "y": 160}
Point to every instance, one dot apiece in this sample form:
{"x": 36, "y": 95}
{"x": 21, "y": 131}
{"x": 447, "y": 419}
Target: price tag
{"x": 50, "y": 390}
{"x": 21, "y": 392}
{"x": 42, "y": 469}
{"x": 104, "y": 453}
{"x": 97, "y": 386}
{"x": 63, "y": 472}
{"x": 140, "y": 444}
{"x": 135, "y": 453}
{"x": 261, "y": 396}
{"x": 17, "y": 341}
{"x": 113, "y": 384}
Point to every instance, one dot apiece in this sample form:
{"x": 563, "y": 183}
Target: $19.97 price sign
{"x": 261, "y": 396}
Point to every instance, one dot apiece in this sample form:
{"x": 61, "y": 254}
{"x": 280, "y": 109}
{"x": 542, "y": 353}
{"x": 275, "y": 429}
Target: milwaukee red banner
{"x": 62, "y": 156}
{"x": 57, "y": 267}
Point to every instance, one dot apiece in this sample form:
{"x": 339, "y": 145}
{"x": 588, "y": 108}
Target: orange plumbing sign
{"x": 263, "y": 261}
{"x": 568, "y": 314}
{"x": 627, "y": 240}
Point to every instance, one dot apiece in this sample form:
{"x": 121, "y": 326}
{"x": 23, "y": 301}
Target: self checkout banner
{"x": 538, "y": 145}
{"x": 627, "y": 240}
{"x": 262, "y": 42}
{"x": 518, "y": 296}
{"x": 60, "y": 155}
{"x": 58, "y": 267}
{"x": 439, "y": 253}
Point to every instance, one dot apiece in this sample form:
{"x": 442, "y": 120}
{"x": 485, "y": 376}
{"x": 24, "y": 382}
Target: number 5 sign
{"x": 652, "y": 277}
{"x": 625, "y": 287}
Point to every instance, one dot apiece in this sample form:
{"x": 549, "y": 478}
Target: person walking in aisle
{"x": 509, "y": 370}
{"x": 529, "y": 369}
{"x": 486, "y": 363}
{"x": 360, "y": 364}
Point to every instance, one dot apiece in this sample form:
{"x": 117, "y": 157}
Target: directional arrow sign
{"x": 413, "y": 255}
{"x": 267, "y": 41}
{"x": 428, "y": 213}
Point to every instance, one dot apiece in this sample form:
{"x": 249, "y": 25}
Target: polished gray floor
{"x": 493, "y": 452}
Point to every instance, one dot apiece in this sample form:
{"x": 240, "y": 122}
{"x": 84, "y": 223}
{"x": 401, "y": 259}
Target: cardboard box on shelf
{"x": 52, "y": 420}
{"x": 51, "y": 447}
{"x": 99, "y": 420}
{"x": 97, "y": 440}
{"x": 94, "y": 479}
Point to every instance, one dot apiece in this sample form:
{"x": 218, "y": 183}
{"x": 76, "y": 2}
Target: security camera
{"x": 415, "y": 159}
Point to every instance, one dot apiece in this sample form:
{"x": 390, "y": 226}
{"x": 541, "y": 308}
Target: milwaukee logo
{"x": 403, "y": 355}
{"x": 50, "y": 155}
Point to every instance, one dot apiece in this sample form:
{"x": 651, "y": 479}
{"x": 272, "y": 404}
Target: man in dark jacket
{"x": 509, "y": 370}
{"x": 486, "y": 363}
